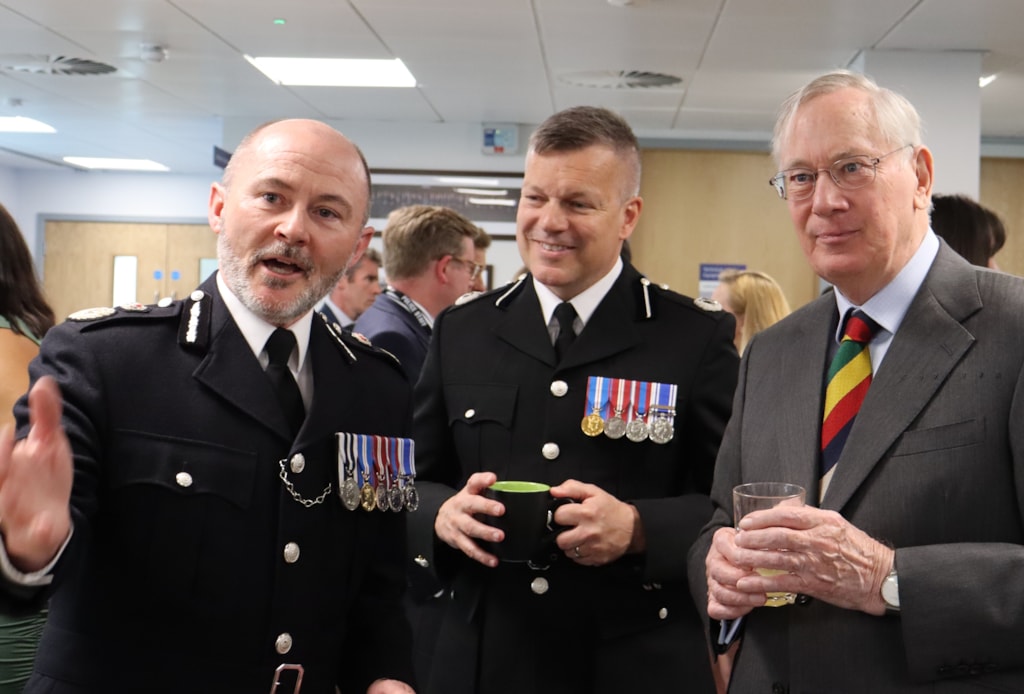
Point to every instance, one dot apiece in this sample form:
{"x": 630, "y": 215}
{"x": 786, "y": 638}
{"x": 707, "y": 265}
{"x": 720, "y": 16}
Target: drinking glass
{"x": 757, "y": 496}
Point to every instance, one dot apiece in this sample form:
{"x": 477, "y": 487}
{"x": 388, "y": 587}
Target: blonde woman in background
{"x": 24, "y": 319}
{"x": 754, "y": 298}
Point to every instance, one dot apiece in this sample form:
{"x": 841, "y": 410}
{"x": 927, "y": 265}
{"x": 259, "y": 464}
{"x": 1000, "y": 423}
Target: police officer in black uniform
{"x": 586, "y": 376}
{"x": 205, "y": 545}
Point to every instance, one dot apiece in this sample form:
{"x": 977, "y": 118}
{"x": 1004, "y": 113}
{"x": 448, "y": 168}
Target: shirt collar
{"x": 888, "y": 306}
{"x": 256, "y": 331}
{"x": 343, "y": 319}
{"x": 585, "y": 302}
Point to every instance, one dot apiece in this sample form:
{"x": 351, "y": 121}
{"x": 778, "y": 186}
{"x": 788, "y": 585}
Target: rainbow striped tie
{"x": 848, "y": 379}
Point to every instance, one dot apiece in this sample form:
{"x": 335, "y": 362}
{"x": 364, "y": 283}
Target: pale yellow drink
{"x": 758, "y": 496}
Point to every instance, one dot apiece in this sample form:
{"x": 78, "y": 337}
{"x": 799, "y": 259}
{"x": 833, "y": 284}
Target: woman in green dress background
{"x": 24, "y": 319}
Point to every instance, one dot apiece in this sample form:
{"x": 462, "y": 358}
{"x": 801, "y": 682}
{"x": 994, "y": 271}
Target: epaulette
{"x": 707, "y": 304}
{"x": 353, "y": 342}
{"x": 107, "y": 315}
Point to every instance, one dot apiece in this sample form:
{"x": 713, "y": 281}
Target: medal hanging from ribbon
{"x": 663, "y": 412}
{"x": 348, "y": 488}
{"x": 593, "y": 422}
{"x": 381, "y": 467}
{"x": 636, "y": 429}
{"x": 615, "y": 427}
{"x": 367, "y": 499}
{"x": 395, "y": 498}
{"x": 407, "y": 466}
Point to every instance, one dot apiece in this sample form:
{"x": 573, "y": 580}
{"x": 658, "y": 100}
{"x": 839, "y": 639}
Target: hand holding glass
{"x": 758, "y": 496}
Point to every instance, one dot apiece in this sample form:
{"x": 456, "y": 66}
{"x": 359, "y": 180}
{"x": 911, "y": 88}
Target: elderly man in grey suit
{"x": 908, "y": 557}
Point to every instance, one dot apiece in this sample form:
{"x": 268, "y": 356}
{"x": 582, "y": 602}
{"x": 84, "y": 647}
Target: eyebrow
{"x": 280, "y": 184}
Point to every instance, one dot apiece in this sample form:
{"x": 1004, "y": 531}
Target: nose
{"x": 553, "y": 217}
{"x": 827, "y": 195}
{"x": 292, "y": 227}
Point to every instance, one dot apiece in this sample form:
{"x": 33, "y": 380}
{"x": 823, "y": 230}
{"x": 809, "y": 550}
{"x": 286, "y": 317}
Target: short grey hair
{"x": 896, "y": 118}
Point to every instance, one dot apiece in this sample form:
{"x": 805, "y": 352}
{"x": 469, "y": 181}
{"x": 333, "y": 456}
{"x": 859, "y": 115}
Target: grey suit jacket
{"x": 934, "y": 466}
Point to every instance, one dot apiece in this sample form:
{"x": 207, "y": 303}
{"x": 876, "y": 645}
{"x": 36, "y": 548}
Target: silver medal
{"x": 615, "y": 427}
{"x": 412, "y": 497}
{"x": 382, "y": 497}
{"x": 662, "y": 430}
{"x": 350, "y": 494}
{"x": 395, "y": 499}
{"x": 636, "y": 430}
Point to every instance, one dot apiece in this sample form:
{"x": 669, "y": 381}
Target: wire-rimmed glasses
{"x": 474, "y": 268}
{"x": 849, "y": 173}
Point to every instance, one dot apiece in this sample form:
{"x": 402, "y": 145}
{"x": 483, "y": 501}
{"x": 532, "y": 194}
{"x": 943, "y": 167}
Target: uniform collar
{"x": 256, "y": 331}
{"x": 585, "y": 303}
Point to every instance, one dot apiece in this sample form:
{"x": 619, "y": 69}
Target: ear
{"x": 215, "y": 210}
{"x": 441, "y": 268}
{"x": 924, "y": 169}
{"x": 630, "y": 216}
{"x": 362, "y": 243}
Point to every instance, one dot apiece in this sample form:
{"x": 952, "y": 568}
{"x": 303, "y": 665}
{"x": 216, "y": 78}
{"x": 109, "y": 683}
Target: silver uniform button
{"x": 183, "y": 479}
{"x": 197, "y": 295}
{"x": 298, "y": 463}
{"x": 470, "y": 413}
{"x": 559, "y": 388}
{"x": 283, "y": 644}
{"x": 421, "y": 561}
{"x": 550, "y": 450}
{"x": 663, "y": 613}
{"x": 539, "y": 585}
{"x": 291, "y": 552}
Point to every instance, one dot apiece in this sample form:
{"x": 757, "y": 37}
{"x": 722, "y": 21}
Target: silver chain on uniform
{"x": 295, "y": 495}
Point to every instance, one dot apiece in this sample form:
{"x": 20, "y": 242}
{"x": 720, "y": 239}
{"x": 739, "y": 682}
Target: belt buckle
{"x": 277, "y": 677}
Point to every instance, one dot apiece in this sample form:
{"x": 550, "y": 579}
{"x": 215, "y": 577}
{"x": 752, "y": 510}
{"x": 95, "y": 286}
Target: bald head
{"x": 273, "y": 132}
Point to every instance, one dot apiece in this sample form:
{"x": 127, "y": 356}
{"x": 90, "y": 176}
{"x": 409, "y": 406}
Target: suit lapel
{"x": 804, "y": 361}
{"x": 930, "y": 342}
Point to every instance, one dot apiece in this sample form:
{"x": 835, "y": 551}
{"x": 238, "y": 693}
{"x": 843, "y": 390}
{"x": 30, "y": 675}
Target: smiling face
{"x": 859, "y": 239}
{"x": 290, "y": 217}
{"x": 574, "y": 215}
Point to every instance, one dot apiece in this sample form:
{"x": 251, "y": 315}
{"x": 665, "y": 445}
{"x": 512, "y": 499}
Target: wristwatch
{"x": 891, "y": 591}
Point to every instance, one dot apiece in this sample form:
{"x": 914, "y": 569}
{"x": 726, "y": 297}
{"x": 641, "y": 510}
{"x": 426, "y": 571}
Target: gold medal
{"x": 592, "y": 424}
{"x": 367, "y": 499}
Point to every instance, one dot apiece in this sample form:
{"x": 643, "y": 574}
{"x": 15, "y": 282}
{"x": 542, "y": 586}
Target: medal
{"x": 636, "y": 430}
{"x": 407, "y": 472}
{"x": 381, "y": 491}
{"x": 412, "y": 497}
{"x": 347, "y": 489}
{"x": 663, "y": 412}
{"x": 367, "y": 499}
{"x": 593, "y": 423}
{"x": 395, "y": 496}
{"x": 615, "y": 427}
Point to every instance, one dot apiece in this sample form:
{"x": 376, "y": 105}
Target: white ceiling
{"x": 476, "y": 61}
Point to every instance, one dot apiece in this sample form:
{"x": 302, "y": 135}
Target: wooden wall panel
{"x": 1002, "y": 191}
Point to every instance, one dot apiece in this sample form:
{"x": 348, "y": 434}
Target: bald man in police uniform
{"x": 205, "y": 543}
{"x": 605, "y": 609}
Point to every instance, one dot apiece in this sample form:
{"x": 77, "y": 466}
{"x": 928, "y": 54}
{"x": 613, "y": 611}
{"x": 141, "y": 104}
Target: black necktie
{"x": 565, "y": 314}
{"x": 279, "y": 348}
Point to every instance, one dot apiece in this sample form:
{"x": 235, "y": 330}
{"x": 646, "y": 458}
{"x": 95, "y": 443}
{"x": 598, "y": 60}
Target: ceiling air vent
{"x": 619, "y": 79}
{"x": 53, "y": 65}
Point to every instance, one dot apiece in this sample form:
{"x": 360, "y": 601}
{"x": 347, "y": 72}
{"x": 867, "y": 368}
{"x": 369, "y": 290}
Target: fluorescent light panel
{"x": 468, "y": 181}
{"x": 335, "y": 72}
{"x": 116, "y": 164}
{"x": 21, "y": 124}
{"x": 506, "y": 202}
{"x": 480, "y": 191}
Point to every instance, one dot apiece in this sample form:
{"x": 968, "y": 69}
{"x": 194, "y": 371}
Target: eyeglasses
{"x": 474, "y": 269}
{"x": 850, "y": 173}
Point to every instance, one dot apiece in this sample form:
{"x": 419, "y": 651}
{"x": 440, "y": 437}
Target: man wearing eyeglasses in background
{"x": 428, "y": 264}
{"x": 906, "y": 559}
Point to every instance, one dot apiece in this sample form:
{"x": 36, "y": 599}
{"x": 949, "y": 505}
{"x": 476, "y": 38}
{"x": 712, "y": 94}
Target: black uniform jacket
{"x": 192, "y": 568}
{"x": 492, "y": 399}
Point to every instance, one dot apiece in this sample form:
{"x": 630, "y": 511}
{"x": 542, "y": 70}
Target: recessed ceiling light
{"x": 468, "y": 181}
{"x": 116, "y": 164}
{"x": 21, "y": 124}
{"x": 986, "y": 80}
{"x": 335, "y": 72}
